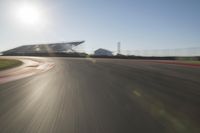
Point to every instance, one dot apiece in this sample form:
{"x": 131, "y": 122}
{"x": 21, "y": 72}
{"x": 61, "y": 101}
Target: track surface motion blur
{"x": 103, "y": 96}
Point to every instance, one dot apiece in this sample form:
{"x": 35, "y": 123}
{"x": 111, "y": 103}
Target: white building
{"x": 103, "y": 52}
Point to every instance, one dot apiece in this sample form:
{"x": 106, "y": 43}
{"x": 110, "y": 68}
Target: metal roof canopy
{"x": 50, "y": 47}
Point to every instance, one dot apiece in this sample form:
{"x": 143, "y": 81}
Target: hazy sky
{"x": 137, "y": 24}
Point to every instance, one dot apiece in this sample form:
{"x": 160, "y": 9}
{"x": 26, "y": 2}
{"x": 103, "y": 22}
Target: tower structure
{"x": 118, "y": 48}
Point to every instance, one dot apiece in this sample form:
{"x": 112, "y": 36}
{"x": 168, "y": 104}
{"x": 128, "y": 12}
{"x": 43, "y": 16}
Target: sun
{"x": 28, "y": 14}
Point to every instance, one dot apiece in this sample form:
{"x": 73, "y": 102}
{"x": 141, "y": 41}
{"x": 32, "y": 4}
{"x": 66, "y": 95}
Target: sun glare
{"x": 28, "y": 14}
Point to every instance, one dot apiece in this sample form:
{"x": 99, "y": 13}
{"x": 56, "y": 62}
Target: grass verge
{"x": 191, "y": 62}
{"x": 9, "y": 63}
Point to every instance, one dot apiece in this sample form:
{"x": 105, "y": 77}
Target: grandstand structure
{"x": 38, "y": 49}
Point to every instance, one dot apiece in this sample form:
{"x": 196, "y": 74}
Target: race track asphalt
{"x": 103, "y": 96}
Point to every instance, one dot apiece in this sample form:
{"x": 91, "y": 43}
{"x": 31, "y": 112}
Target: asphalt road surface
{"x": 103, "y": 96}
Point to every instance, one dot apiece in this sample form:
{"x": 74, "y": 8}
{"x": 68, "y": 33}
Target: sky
{"x": 137, "y": 24}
